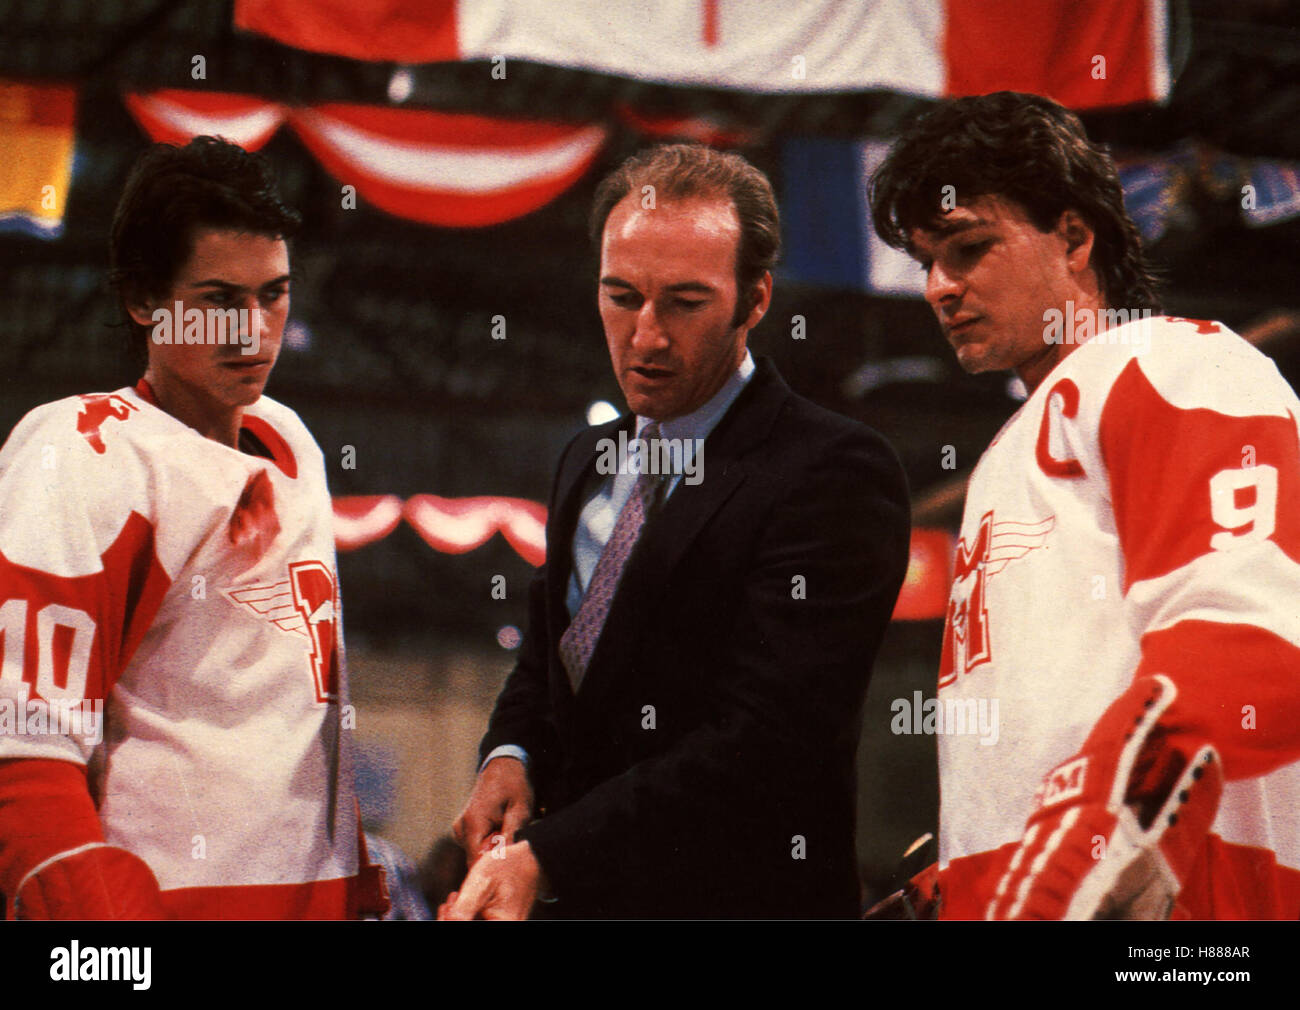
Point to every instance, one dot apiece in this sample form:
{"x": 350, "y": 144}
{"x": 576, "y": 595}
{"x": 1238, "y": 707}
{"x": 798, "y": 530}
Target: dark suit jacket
{"x": 748, "y": 617}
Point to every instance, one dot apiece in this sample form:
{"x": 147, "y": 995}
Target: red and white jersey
{"x": 1139, "y": 514}
{"x": 192, "y": 587}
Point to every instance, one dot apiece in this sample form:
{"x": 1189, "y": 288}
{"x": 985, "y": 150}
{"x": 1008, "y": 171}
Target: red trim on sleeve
{"x": 1238, "y": 689}
{"x": 1162, "y": 459}
{"x": 1239, "y": 882}
{"x": 45, "y": 809}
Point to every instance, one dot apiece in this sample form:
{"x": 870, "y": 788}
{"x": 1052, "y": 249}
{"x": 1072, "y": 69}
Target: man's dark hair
{"x": 172, "y": 192}
{"x": 678, "y": 171}
{"x": 1025, "y": 148}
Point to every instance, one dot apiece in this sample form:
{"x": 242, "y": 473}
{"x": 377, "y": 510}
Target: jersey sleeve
{"x": 80, "y": 583}
{"x": 1200, "y": 443}
{"x": 80, "y": 579}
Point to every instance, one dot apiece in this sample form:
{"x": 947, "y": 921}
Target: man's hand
{"x": 505, "y": 885}
{"x": 501, "y": 803}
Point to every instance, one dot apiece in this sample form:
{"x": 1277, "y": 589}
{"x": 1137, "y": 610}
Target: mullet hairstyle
{"x": 170, "y": 194}
{"x": 1025, "y": 148}
{"x": 681, "y": 171}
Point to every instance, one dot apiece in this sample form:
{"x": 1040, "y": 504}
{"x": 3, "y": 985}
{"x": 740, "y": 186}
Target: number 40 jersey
{"x": 189, "y": 591}
{"x": 1139, "y": 515}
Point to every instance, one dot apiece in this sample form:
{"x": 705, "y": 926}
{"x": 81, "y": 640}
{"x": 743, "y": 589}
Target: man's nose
{"x": 649, "y": 333}
{"x": 254, "y": 324}
{"x": 940, "y": 285}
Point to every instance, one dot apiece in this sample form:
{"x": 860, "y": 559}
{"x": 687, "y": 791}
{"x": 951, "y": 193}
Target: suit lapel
{"x": 576, "y": 483}
{"x": 744, "y": 427}
{"x": 669, "y": 534}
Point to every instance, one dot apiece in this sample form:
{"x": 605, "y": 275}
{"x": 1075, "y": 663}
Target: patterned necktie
{"x": 579, "y": 640}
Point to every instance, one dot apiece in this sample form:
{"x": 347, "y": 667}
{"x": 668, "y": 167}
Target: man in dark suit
{"x": 683, "y": 718}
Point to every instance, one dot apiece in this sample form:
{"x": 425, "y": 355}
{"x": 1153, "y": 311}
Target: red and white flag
{"x": 1103, "y": 53}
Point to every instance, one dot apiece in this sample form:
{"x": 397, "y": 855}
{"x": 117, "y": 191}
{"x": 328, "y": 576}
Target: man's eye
{"x": 689, "y": 303}
{"x": 969, "y": 249}
{"x": 626, "y": 300}
{"x": 218, "y": 297}
{"x": 273, "y": 295}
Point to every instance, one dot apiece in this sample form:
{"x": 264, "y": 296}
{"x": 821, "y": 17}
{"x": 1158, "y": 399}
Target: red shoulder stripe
{"x": 1183, "y": 481}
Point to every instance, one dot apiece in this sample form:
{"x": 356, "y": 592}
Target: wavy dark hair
{"x": 688, "y": 170}
{"x": 170, "y": 193}
{"x": 1025, "y": 148}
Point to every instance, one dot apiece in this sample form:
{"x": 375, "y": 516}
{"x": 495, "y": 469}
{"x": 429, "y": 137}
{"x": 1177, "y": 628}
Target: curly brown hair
{"x": 1025, "y": 148}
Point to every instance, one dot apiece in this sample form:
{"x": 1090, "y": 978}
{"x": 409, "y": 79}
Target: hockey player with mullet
{"x": 167, "y": 554}
{"x": 1129, "y": 564}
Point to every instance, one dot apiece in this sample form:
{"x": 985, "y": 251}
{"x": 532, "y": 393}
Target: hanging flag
{"x": 1084, "y": 55}
{"x": 828, "y": 237}
{"x": 1154, "y": 187}
{"x": 38, "y": 138}
{"x": 1276, "y": 192}
{"x": 1103, "y": 53}
{"x": 390, "y": 31}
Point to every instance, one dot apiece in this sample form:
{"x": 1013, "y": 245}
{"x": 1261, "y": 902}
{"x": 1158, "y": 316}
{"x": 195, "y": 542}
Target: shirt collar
{"x": 699, "y": 422}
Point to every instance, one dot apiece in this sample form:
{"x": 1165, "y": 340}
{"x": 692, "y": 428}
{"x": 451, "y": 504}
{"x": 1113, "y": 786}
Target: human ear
{"x": 759, "y": 299}
{"x": 140, "y": 309}
{"x": 1079, "y": 236}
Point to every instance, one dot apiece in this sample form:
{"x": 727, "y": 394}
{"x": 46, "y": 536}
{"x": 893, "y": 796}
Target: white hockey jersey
{"x": 193, "y": 589}
{"x": 1139, "y": 514}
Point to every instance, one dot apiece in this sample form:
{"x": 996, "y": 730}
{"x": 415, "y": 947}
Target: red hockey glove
{"x": 1118, "y": 827}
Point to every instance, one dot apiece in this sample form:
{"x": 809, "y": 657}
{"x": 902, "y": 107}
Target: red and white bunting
{"x": 447, "y": 169}
{"x": 457, "y": 525}
{"x": 176, "y": 117}
{"x": 363, "y": 519}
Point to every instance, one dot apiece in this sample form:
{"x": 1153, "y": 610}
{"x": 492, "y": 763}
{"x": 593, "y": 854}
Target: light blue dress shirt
{"x": 598, "y": 516}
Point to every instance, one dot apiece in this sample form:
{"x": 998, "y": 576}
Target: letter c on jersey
{"x": 1050, "y": 465}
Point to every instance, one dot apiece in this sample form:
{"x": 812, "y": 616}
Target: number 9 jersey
{"x": 1138, "y": 518}
{"x": 171, "y": 630}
